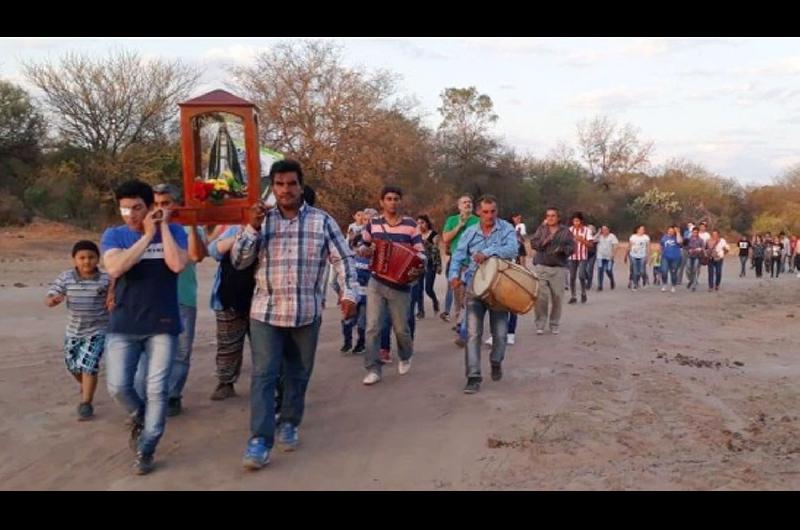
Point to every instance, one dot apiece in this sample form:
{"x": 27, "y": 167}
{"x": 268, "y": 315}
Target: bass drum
{"x": 504, "y": 285}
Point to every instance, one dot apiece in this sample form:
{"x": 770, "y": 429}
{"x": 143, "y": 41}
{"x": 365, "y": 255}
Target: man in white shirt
{"x": 705, "y": 235}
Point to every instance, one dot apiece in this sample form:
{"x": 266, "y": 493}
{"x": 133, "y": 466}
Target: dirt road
{"x": 642, "y": 390}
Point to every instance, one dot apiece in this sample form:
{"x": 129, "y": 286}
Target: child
{"x": 360, "y": 320}
{"x": 88, "y": 296}
{"x": 655, "y": 259}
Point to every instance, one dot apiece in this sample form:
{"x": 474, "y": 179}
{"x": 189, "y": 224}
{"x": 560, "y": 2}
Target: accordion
{"x": 393, "y": 261}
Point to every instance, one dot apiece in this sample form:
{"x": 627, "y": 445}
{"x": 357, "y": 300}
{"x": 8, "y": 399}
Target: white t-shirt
{"x": 718, "y": 252}
{"x": 705, "y": 236}
{"x": 639, "y": 245}
{"x": 354, "y": 229}
{"x": 605, "y": 246}
{"x": 520, "y": 228}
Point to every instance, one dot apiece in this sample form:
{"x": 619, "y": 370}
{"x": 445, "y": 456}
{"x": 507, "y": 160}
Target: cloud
{"x": 586, "y": 57}
{"x": 616, "y": 99}
{"x": 647, "y": 48}
{"x": 511, "y": 45}
{"x": 786, "y": 66}
{"x": 36, "y": 43}
{"x": 662, "y": 46}
{"x": 413, "y": 50}
{"x": 237, "y": 53}
{"x": 507, "y": 87}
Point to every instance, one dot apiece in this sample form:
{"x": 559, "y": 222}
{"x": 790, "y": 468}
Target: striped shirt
{"x": 581, "y": 252}
{"x": 86, "y": 302}
{"x": 405, "y": 232}
{"x": 293, "y": 257}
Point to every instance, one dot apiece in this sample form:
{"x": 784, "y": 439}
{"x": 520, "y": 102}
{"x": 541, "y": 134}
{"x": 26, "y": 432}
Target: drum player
{"x": 492, "y": 236}
{"x": 384, "y": 295}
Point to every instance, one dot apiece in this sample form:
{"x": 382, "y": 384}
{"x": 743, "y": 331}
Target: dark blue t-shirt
{"x": 671, "y": 250}
{"x": 147, "y": 295}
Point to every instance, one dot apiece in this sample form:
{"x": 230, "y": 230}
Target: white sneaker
{"x": 798, "y": 274}
{"x": 664, "y": 289}
{"x": 511, "y": 339}
{"x": 554, "y": 331}
{"x": 371, "y": 378}
{"x": 540, "y": 332}
{"x": 672, "y": 290}
{"x": 488, "y": 341}
{"x": 403, "y": 367}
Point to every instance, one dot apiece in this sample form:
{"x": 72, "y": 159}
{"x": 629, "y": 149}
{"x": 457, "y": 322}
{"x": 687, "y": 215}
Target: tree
{"x": 22, "y": 130}
{"x": 610, "y": 151}
{"x": 21, "y": 124}
{"x": 656, "y": 208}
{"x": 108, "y": 104}
{"x": 463, "y": 137}
{"x": 334, "y": 119}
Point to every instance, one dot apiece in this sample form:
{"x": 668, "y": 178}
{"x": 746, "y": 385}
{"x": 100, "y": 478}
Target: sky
{"x": 730, "y": 104}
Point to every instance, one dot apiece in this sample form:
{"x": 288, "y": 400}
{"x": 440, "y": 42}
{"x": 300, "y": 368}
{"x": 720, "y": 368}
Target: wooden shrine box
{"x": 208, "y": 108}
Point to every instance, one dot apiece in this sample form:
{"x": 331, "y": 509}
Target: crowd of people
{"x": 272, "y": 278}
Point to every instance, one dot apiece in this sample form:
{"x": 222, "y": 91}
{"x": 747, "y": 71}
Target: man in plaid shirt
{"x": 293, "y": 243}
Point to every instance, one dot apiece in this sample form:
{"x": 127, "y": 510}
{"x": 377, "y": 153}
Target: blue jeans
{"x": 671, "y": 266}
{"x": 498, "y": 322}
{"x": 418, "y": 295}
{"x": 276, "y": 351}
{"x": 577, "y": 269}
{"x": 682, "y": 266}
{"x": 359, "y": 322}
{"x": 423, "y": 287}
{"x": 693, "y": 271}
{"x": 180, "y": 366}
{"x": 396, "y": 304}
{"x": 123, "y": 355}
{"x": 606, "y": 266}
{"x": 638, "y": 270}
{"x": 590, "y": 264}
{"x": 512, "y": 323}
{"x": 714, "y": 273}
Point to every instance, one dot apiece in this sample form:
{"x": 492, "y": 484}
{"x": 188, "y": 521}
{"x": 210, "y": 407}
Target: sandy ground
{"x": 643, "y": 390}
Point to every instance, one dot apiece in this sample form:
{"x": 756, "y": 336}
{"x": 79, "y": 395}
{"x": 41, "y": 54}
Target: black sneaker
{"x": 133, "y": 441}
{"x": 85, "y": 411}
{"x": 420, "y": 315}
{"x": 174, "y": 407}
{"x": 143, "y": 464}
{"x": 497, "y": 371}
{"x": 599, "y": 289}
{"x": 583, "y": 298}
{"x": 473, "y": 385}
{"x": 445, "y": 316}
{"x": 360, "y": 347}
{"x": 346, "y": 348}
{"x": 573, "y": 300}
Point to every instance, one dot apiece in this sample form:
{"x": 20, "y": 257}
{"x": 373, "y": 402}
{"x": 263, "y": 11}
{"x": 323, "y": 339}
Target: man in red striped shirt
{"x": 384, "y": 296}
{"x": 579, "y": 258}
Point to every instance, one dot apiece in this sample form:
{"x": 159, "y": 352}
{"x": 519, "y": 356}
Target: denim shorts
{"x": 82, "y": 354}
